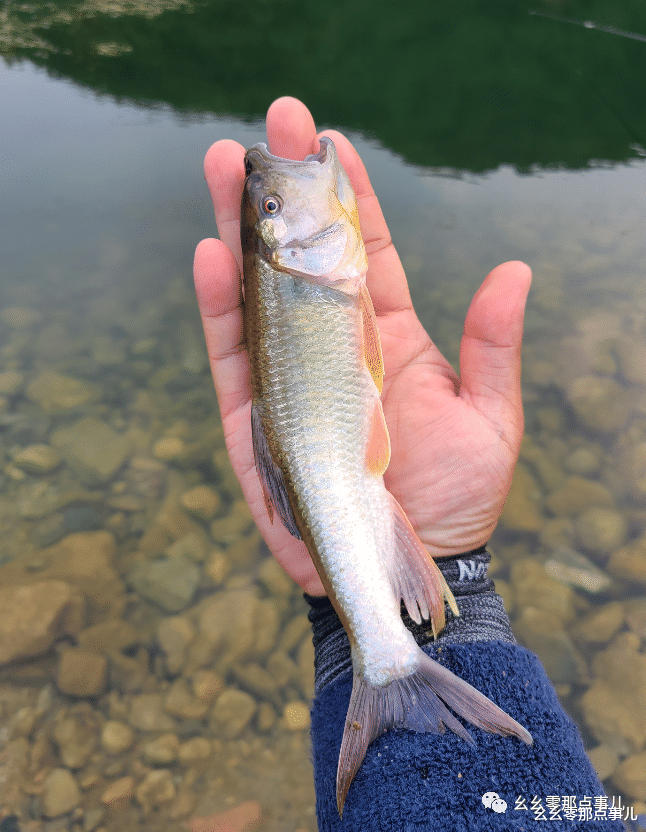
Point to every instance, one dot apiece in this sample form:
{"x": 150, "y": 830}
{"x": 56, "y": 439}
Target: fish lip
{"x": 259, "y": 156}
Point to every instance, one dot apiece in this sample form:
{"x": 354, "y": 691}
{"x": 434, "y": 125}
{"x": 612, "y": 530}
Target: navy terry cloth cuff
{"x": 482, "y": 617}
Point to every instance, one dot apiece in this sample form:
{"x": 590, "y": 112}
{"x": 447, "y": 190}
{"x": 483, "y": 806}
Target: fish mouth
{"x": 259, "y": 157}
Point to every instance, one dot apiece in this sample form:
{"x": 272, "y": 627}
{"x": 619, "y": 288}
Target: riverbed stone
{"x": 195, "y": 751}
{"x": 82, "y": 672}
{"x": 11, "y": 382}
{"x": 113, "y": 634}
{"x": 161, "y": 751}
{"x": 296, "y": 716}
{"x": 60, "y": 793}
{"x": 76, "y": 736}
{"x": 174, "y": 635}
{"x": 239, "y": 624}
{"x": 602, "y": 530}
{"x": 233, "y": 711}
{"x": 38, "y": 459}
{"x": 604, "y": 760}
{"x": 542, "y": 633}
{"x": 571, "y": 567}
{"x": 181, "y": 701}
{"x": 630, "y": 776}
{"x": 33, "y": 617}
{"x": 93, "y": 449}
{"x": 533, "y": 587}
{"x": 116, "y": 736}
{"x": 147, "y": 713}
{"x": 243, "y": 818}
{"x": 237, "y": 523}
{"x": 583, "y": 461}
{"x": 56, "y": 393}
{"x": 119, "y": 793}
{"x": 576, "y": 495}
{"x": 629, "y": 562}
{"x": 599, "y": 402}
{"x": 600, "y": 624}
{"x": 201, "y": 501}
{"x": 170, "y": 583}
{"x": 156, "y": 789}
{"x": 522, "y": 507}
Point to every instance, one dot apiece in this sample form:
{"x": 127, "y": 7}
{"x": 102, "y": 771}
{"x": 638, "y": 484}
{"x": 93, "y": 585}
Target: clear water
{"x": 503, "y": 136}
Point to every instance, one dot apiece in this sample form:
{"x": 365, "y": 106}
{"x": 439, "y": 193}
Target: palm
{"x": 454, "y": 441}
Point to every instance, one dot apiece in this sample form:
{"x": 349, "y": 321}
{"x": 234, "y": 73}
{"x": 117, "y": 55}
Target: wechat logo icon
{"x": 493, "y": 801}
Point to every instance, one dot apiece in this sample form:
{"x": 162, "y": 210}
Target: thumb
{"x": 490, "y": 348}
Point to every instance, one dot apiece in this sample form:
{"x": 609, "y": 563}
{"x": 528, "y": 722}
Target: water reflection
{"x": 162, "y": 666}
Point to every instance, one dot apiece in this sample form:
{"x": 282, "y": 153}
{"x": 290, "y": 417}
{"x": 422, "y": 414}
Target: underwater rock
{"x": 600, "y": 403}
{"x": 571, "y": 567}
{"x": 243, "y": 818}
{"x": 168, "y": 582}
{"x": 118, "y": 794}
{"x": 600, "y": 624}
{"x": 76, "y": 735}
{"x": 233, "y": 711}
{"x": 92, "y": 449}
{"x": 296, "y": 716}
{"x": 629, "y": 562}
{"x": 201, "y": 501}
{"x": 56, "y": 393}
{"x": 522, "y": 507}
{"x": 60, "y": 793}
{"x": 156, "y": 788}
{"x": 576, "y": 495}
{"x": 33, "y": 617}
{"x": 534, "y": 587}
{"x": 38, "y": 459}
{"x": 174, "y": 635}
{"x": 117, "y": 737}
{"x": 630, "y": 776}
{"x": 542, "y": 633}
{"x": 162, "y": 751}
{"x": 82, "y": 672}
{"x": 601, "y": 530}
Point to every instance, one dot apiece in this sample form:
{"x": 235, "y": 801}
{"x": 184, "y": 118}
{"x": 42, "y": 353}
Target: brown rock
{"x": 522, "y": 507}
{"x": 118, "y": 794}
{"x": 576, "y": 495}
{"x": 82, "y": 672}
{"x": 76, "y": 735}
{"x": 33, "y": 617}
{"x": 535, "y": 588}
{"x": 629, "y": 562}
{"x": 243, "y": 818}
{"x": 630, "y": 776}
{"x": 60, "y": 793}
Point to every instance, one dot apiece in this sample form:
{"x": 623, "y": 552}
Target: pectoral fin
{"x": 271, "y": 477}
{"x": 371, "y": 343}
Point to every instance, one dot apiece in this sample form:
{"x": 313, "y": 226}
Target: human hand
{"x": 455, "y": 439}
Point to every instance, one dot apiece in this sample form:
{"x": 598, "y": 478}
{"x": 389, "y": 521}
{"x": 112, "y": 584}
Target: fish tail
{"x": 418, "y": 702}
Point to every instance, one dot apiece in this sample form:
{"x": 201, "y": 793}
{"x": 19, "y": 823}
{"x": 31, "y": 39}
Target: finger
{"x": 217, "y": 285}
{"x": 490, "y": 349}
{"x": 290, "y": 129}
{"x": 386, "y": 278}
{"x": 224, "y": 172}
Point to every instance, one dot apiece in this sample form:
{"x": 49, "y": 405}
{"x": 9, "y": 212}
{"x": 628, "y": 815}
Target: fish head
{"x": 302, "y": 217}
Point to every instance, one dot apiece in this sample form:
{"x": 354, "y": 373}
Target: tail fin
{"x": 416, "y": 702}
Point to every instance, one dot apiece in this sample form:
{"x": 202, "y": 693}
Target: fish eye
{"x": 271, "y": 205}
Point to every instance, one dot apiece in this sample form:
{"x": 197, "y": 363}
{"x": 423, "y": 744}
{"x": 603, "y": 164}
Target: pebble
{"x": 256, "y": 679}
{"x": 170, "y": 583}
{"x": 604, "y": 759}
{"x": 535, "y": 588}
{"x": 155, "y": 789}
{"x": 217, "y": 567}
{"x": 600, "y": 403}
{"x": 113, "y": 634}
{"x": 239, "y": 522}
{"x": 60, "y": 793}
{"x": 629, "y": 562}
{"x": 92, "y": 818}
{"x": 116, "y": 736}
{"x": 243, "y": 818}
{"x": 11, "y": 382}
{"x": 599, "y": 625}
{"x": 206, "y": 685}
{"x": 636, "y": 616}
{"x": 33, "y": 617}
{"x": 93, "y": 449}
{"x": 630, "y": 776}
{"x": 56, "y": 393}
{"x": 274, "y": 577}
{"x": 174, "y": 635}
{"x": 571, "y": 567}
{"x": 296, "y": 716}
{"x": 239, "y": 623}
{"x": 38, "y": 459}
{"x": 191, "y": 547}
{"x": 541, "y": 632}
{"x": 181, "y": 702}
{"x": 118, "y": 794}
{"x": 522, "y": 507}
{"x": 582, "y": 461}
{"x": 601, "y": 530}
{"x": 147, "y": 713}
{"x": 82, "y": 672}
{"x": 233, "y": 711}
{"x": 169, "y": 448}
{"x": 194, "y": 751}
{"x": 201, "y": 501}
{"x": 266, "y": 718}
{"x": 20, "y": 317}
{"x": 162, "y": 751}
{"x": 576, "y": 495}
{"x": 76, "y": 736}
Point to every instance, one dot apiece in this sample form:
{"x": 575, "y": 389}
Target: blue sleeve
{"x": 413, "y": 782}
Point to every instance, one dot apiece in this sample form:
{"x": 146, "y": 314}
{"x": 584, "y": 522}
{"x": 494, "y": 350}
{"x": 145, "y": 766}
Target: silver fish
{"x": 321, "y": 447}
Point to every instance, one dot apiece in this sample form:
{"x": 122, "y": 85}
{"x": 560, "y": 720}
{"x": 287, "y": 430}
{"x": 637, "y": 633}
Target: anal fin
{"x": 415, "y": 576}
{"x": 271, "y": 477}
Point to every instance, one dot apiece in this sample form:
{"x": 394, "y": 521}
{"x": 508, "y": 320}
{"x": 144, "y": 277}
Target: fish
{"x": 321, "y": 447}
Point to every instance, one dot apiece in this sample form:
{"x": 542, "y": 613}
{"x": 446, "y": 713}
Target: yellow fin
{"x": 371, "y": 343}
{"x": 378, "y": 450}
